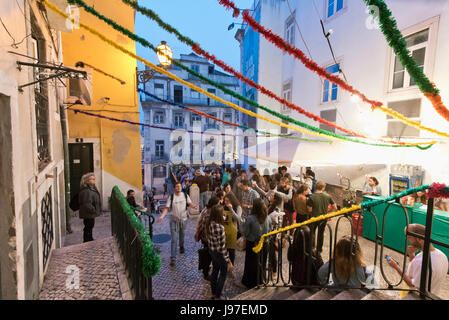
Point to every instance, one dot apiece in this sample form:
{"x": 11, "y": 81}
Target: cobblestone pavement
{"x": 101, "y": 275}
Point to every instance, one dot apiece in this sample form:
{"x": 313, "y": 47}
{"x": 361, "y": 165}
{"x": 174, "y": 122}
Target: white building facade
{"x": 370, "y": 66}
{"x": 187, "y": 142}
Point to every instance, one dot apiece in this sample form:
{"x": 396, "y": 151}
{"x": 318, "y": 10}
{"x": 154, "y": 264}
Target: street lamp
{"x": 164, "y": 55}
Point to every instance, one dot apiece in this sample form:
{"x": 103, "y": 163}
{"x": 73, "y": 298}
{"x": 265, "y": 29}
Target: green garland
{"x": 176, "y": 62}
{"x": 394, "y": 196}
{"x": 151, "y": 261}
{"x": 397, "y": 42}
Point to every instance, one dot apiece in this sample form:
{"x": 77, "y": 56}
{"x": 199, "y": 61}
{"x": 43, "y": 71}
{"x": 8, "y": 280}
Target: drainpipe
{"x": 65, "y": 144}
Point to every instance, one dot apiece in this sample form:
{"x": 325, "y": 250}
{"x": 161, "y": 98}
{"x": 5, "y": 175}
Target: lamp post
{"x": 164, "y": 55}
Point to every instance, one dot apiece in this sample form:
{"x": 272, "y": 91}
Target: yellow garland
{"x": 192, "y": 86}
{"x": 412, "y": 123}
{"x": 257, "y": 248}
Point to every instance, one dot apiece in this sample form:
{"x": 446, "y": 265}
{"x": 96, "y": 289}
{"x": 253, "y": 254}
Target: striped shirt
{"x": 217, "y": 239}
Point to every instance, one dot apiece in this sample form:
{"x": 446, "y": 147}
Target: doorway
{"x": 81, "y": 158}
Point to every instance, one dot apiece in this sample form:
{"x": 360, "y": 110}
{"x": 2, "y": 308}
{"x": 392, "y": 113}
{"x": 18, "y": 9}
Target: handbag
{"x": 204, "y": 258}
{"x": 240, "y": 245}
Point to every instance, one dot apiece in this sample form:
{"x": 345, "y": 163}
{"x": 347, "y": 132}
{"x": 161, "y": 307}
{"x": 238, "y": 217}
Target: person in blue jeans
{"x": 221, "y": 262}
{"x": 177, "y": 204}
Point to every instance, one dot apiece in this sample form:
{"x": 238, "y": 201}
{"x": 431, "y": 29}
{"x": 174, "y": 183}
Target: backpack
{"x": 74, "y": 203}
{"x": 171, "y": 201}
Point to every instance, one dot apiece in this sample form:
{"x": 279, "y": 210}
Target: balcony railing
{"x": 135, "y": 245}
{"x": 272, "y": 255}
{"x": 159, "y": 157}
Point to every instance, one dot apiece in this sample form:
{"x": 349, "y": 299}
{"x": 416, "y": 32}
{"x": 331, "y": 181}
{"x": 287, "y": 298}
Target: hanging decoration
{"x": 263, "y": 133}
{"x": 397, "y": 42}
{"x": 313, "y": 66}
{"x": 81, "y": 64}
{"x": 316, "y": 131}
{"x": 438, "y": 190}
{"x": 198, "y": 50}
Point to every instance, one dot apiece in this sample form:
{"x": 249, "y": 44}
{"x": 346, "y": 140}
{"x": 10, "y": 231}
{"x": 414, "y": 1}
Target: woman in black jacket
{"x": 90, "y": 204}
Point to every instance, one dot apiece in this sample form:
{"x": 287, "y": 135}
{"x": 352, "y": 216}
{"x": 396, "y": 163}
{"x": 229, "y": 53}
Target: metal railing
{"x": 131, "y": 245}
{"x": 273, "y": 246}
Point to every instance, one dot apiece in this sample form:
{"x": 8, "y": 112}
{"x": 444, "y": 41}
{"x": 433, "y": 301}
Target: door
{"x": 81, "y": 157}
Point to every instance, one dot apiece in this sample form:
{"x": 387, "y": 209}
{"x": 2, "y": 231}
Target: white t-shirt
{"x": 439, "y": 270}
{"x": 178, "y": 208}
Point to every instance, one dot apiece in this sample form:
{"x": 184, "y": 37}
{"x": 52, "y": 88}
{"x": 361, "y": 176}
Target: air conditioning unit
{"x": 79, "y": 89}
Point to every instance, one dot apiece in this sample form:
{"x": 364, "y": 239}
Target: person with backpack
{"x": 204, "y": 257}
{"x": 89, "y": 201}
{"x": 178, "y": 205}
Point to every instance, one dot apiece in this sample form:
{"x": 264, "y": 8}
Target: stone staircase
{"x": 287, "y": 293}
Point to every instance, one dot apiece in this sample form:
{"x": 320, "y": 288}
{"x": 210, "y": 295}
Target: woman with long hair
{"x": 217, "y": 248}
{"x": 347, "y": 269}
{"x": 300, "y": 203}
{"x": 90, "y": 204}
{"x": 257, "y": 224}
{"x": 232, "y": 217}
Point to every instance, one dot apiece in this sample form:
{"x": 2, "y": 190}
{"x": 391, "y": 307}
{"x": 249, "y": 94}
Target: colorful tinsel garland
{"x": 438, "y": 190}
{"x": 397, "y": 42}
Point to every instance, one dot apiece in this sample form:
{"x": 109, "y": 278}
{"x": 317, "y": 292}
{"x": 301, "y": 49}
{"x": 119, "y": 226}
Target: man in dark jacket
{"x": 90, "y": 204}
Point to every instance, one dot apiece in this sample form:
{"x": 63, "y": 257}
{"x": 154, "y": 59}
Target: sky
{"x": 204, "y": 21}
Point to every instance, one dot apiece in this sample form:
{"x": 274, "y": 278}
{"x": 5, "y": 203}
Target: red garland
{"x": 229, "y": 5}
{"x": 310, "y": 64}
{"x": 438, "y": 190}
{"x": 269, "y": 93}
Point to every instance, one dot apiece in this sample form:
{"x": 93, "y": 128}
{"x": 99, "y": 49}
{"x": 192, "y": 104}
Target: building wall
{"x": 365, "y": 58}
{"x": 120, "y": 160}
{"x": 21, "y": 261}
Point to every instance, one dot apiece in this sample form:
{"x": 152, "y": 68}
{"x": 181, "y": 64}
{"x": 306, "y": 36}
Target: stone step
{"x": 412, "y": 296}
{"x": 324, "y": 294}
{"x": 303, "y": 294}
{"x": 382, "y": 295}
{"x": 247, "y": 295}
{"x": 350, "y": 294}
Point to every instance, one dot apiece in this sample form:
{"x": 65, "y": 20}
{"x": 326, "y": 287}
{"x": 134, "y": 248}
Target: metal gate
{"x": 47, "y": 225}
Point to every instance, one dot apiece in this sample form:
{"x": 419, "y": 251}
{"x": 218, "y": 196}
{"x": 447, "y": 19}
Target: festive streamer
{"x": 198, "y": 50}
{"x": 257, "y": 248}
{"x": 229, "y": 5}
{"x": 81, "y": 64}
{"x": 412, "y": 123}
{"x": 263, "y": 133}
{"x": 438, "y": 190}
{"x": 316, "y": 131}
{"x": 397, "y": 42}
{"x": 313, "y": 66}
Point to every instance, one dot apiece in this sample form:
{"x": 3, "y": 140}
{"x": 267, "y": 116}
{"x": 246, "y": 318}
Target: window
{"x": 290, "y": 29}
{"x": 195, "y": 68}
{"x": 330, "y": 90}
{"x": 211, "y": 69}
{"x": 287, "y": 95}
{"x": 194, "y": 94}
{"x": 208, "y": 99}
{"x": 41, "y": 98}
{"x": 159, "y": 90}
{"x": 159, "y": 172}
{"x": 159, "y": 148}
{"x": 333, "y": 6}
{"x": 195, "y": 118}
{"x": 211, "y": 124}
{"x": 179, "y": 120}
{"x": 284, "y": 130}
{"x": 409, "y": 108}
{"x": 177, "y": 94}
{"x": 227, "y": 117}
{"x": 416, "y": 44}
{"x": 329, "y": 115}
{"x": 158, "y": 117}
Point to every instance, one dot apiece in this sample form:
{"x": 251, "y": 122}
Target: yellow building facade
{"x": 108, "y": 148}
